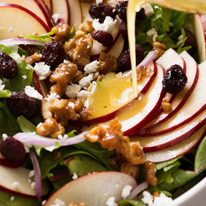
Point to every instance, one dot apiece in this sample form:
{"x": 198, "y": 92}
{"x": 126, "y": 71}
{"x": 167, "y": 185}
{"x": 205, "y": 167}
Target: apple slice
{"x": 16, "y": 18}
{"x": 162, "y": 141}
{"x": 31, "y": 5}
{"x": 115, "y": 98}
{"x": 200, "y": 37}
{"x": 39, "y": 85}
{"x": 180, "y": 99}
{"x": 93, "y": 189}
{"x": 75, "y": 13}
{"x": 85, "y": 11}
{"x": 176, "y": 150}
{"x": 139, "y": 111}
{"x": 117, "y": 48}
{"x": 48, "y": 4}
{"x": 61, "y": 7}
{"x": 194, "y": 105}
{"x": 16, "y": 180}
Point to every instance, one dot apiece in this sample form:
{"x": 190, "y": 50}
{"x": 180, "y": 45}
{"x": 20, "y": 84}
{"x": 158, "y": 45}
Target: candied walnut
{"x": 78, "y": 48}
{"x": 50, "y": 127}
{"x": 79, "y": 75}
{"x": 107, "y": 63}
{"x": 77, "y": 204}
{"x": 86, "y": 27}
{"x": 62, "y": 31}
{"x": 62, "y": 76}
{"x": 150, "y": 173}
{"x": 159, "y": 48}
{"x": 36, "y": 57}
{"x": 166, "y": 106}
{"x": 62, "y": 110}
{"x": 132, "y": 170}
{"x": 111, "y": 137}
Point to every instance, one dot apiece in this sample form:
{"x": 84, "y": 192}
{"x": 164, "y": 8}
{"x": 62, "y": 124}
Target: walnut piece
{"x": 166, "y": 106}
{"x": 86, "y": 27}
{"x": 62, "y": 31}
{"x": 77, "y": 204}
{"x": 50, "y": 127}
{"x": 132, "y": 170}
{"x": 111, "y": 137}
{"x": 62, "y": 76}
{"x": 107, "y": 63}
{"x": 78, "y": 48}
{"x": 150, "y": 173}
{"x": 36, "y": 57}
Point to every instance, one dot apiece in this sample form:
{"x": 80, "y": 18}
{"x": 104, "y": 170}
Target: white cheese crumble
{"x": 31, "y": 174}
{"x": 72, "y": 90}
{"x": 91, "y": 67}
{"x": 108, "y": 24}
{"x": 24, "y": 77}
{"x": 85, "y": 81}
{"x": 59, "y": 202}
{"x": 42, "y": 70}
{"x": 83, "y": 94}
{"x": 150, "y": 200}
{"x": 4, "y": 136}
{"x": 71, "y": 105}
{"x": 1, "y": 85}
{"x": 152, "y": 33}
{"x": 126, "y": 191}
{"x": 31, "y": 92}
{"x": 111, "y": 202}
{"x": 74, "y": 176}
{"x": 149, "y": 11}
{"x": 99, "y": 1}
{"x": 56, "y": 17}
{"x": 12, "y": 198}
{"x": 52, "y": 96}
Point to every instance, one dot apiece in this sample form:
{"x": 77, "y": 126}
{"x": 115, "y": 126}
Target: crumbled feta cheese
{"x": 83, "y": 94}
{"x": 56, "y": 17}
{"x": 4, "y": 136}
{"x": 149, "y": 11}
{"x": 24, "y": 77}
{"x": 111, "y": 202}
{"x": 75, "y": 176}
{"x": 71, "y": 105}
{"x": 1, "y": 85}
{"x": 72, "y": 90}
{"x": 152, "y": 33}
{"x": 31, "y": 174}
{"x": 62, "y": 137}
{"x": 126, "y": 191}
{"x": 91, "y": 67}
{"x": 16, "y": 185}
{"x": 12, "y": 198}
{"x": 99, "y": 1}
{"x": 59, "y": 202}
{"x": 52, "y": 96}
{"x": 162, "y": 200}
{"x": 85, "y": 81}
{"x": 29, "y": 67}
{"x": 108, "y": 24}
{"x": 42, "y": 70}
{"x": 31, "y": 92}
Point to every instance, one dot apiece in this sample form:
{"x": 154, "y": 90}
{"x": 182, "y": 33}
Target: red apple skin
{"x": 47, "y": 29}
{"x": 176, "y": 140}
{"x": 38, "y": 85}
{"x": 112, "y": 115}
{"x": 148, "y": 130}
{"x": 46, "y": 12}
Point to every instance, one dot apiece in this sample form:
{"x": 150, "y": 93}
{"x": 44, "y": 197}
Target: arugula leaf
{"x": 5, "y": 93}
{"x": 200, "y": 157}
{"x": 130, "y": 203}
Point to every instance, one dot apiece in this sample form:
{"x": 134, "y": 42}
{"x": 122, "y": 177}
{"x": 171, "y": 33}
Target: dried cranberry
{"x": 124, "y": 61}
{"x": 8, "y": 67}
{"x": 100, "y": 11}
{"x": 13, "y": 151}
{"x": 191, "y": 41}
{"x": 140, "y": 16}
{"x": 123, "y": 30}
{"x": 121, "y": 9}
{"x": 21, "y": 104}
{"x": 174, "y": 79}
{"x": 103, "y": 37}
{"x": 53, "y": 54}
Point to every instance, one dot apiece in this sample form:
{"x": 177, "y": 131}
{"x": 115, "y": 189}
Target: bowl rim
{"x": 195, "y": 194}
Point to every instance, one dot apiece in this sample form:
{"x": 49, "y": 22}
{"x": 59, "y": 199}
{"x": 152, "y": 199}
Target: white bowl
{"x": 196, "y": 196}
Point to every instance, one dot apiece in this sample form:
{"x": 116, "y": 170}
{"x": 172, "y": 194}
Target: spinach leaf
{"x": 200, "y": 157}
{"x": 130, "y": 203}
{"x": 25, "y": 125}
{"x": 6, "y": 200}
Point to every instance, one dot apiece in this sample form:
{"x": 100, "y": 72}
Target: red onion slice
{"x": 18, "y": 41}
{"x": 37, "y": 175}
{"x": 151, "y": 56}
{"x": 32, "y": 139}
{"x": 136, "y": 191}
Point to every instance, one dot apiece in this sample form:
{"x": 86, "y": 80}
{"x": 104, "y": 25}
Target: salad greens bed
{"x": 174, "y": 177}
